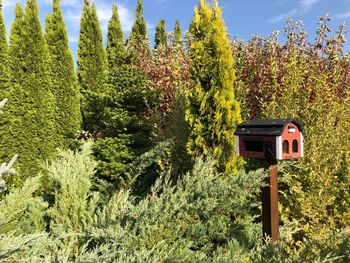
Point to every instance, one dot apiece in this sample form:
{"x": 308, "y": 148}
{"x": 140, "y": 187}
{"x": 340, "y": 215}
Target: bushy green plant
{"x": 213, "y": 112}
{"x": 307, "y": 83}
{"x": 73, "y": 202}
{"x": 29, "y": 120}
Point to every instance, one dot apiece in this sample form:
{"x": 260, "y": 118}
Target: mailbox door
{"x": 270, "y": 151}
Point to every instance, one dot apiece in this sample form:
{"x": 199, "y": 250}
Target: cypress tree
{"x": 3, "y": 53}
{"x": 213, "y": 112}
{"x": 115, "y": 40}
{"x": 30, "y": 124}
{"x": 138, "y": 35}
{"x": 64, "y": 81}
{"x": 177, "y": 40}
{"x": 139, "y": 28}
{"x": 161, "y": 35}
{"x": 92, "y": 67}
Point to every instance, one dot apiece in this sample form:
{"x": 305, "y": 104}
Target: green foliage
{"x": 332, "y": 248}
{"x": 21, "y": 212}
{"x": 307, "y": 83}
{"x": 64, "y": 81}
{"x": 114, "y": 156}
{"x": 116, "y": 50}
{"x": 3, "y": 53}
{"x": 125, "y": 117}
{"x": 74, "y": 203}
{"x": 201, "y": 216}
{"x": 31, "y": 130}
{"x": 161, "y": 37}
{"x": 92, "y": 67}
{"x": 139, "y": 29}
{"x": 177, "y": 40}
{"x": 213, "y": 112}
{"x": 138, "y": 42}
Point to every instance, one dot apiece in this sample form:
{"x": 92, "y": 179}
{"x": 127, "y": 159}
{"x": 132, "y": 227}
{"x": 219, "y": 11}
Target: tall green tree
{"x": 177, "y": 40}
{"x": 92, "y": 67}
{"x": 31, "y": 130}
{"x": 64, "y": 81}
{"x": 126, "y": 129}
{"x": 3, "y": 53}
{"x": 138, "y": 37}
{"x": 161, "y": 35}
{"x": 116, "y": 50}
{"x": 213, "y": 112}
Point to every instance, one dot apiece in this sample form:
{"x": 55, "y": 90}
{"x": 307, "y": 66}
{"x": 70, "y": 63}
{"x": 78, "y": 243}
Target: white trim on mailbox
{"x": 301, "y": 145}
{"x": 279, "y": 147}
{"x": 237, "y": 145}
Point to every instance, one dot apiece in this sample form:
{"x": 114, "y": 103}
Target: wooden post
{"x": 270, "y": 215}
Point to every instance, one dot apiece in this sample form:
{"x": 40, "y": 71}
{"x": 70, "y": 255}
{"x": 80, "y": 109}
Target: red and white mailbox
{"x": 272, "y": 139}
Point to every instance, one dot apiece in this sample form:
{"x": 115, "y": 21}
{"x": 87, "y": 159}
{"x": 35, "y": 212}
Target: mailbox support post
{"x": 270, "y": 215}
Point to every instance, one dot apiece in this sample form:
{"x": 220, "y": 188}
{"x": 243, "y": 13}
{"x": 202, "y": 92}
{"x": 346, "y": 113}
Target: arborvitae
{"x": 177, "y": 40}
{"x": 161, "y": 35}
{"x": 115, "y": 40}
{"x": 139, "y": 28}
{"x": 3, "y": 53}
{"x": 213, "y": 112}
{"x": 30, "y": 130}
{"x": 138, "y": 36}
{"x": 64, "y": 81}
{"x": 92, "y": 67}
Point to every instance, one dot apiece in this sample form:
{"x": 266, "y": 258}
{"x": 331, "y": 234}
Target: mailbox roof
{"x": 273, "y": 127}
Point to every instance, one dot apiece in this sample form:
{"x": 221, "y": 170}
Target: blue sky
{"x": 243, "y": 18}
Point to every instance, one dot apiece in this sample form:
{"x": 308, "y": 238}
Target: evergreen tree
{"x": 30, "y": 114}
{"x": 213, "y": 112}
{"x": 115, "y": 40}
{"x": 161, "y": 35}
{"x": 139, "y": 28}
{"x": 138, "y": 36}
{"x": 177, "y": 40}
{"x": 3, "y": 53}
{"x": 126, "y": 130}
{"x": 64, "y": 81}
{"x": 92, "y": 67}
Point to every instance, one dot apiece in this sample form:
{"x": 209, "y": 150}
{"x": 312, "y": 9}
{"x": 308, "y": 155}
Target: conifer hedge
{"x": 3, "y": 52}
{"x": 92, "y": 68}
{"x": 30, "y": 120}
{"x": 65, "y": 87}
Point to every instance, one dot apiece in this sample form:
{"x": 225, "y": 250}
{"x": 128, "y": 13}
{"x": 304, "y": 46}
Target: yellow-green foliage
{"x": 213, "y": 112}
{"x": 307, "y": 83}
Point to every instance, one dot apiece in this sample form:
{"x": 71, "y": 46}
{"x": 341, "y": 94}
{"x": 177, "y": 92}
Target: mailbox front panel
{"x": 260, "y": 147}
{"x": 292, "y": 142}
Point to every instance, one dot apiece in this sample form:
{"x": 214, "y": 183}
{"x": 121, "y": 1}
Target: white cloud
{"x": 8, "y": 3}
{"x": 306, "y": 5}
{"x": 104, "y": 13}
{"x": 283, "y": 17}
{"x": 126, "y": 18}
{"x": 343, "y": 15}
{"x": 72, "y": 16}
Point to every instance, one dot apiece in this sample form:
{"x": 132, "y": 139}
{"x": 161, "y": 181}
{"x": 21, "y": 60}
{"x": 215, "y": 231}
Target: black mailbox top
{"x": 272, "y": 127}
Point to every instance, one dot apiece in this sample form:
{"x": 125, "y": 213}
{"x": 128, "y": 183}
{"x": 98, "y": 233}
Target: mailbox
{"x": 271, "y": 139}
